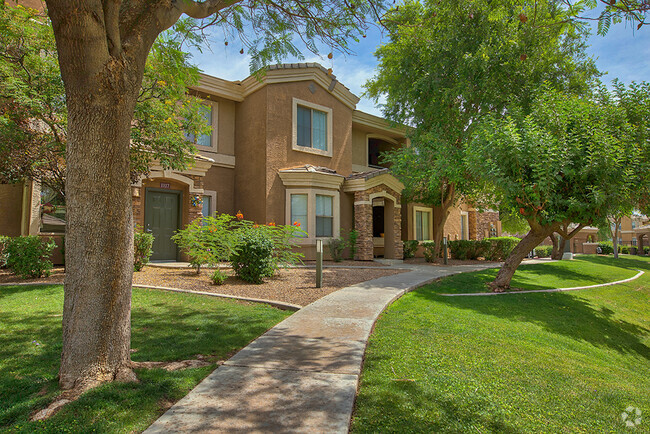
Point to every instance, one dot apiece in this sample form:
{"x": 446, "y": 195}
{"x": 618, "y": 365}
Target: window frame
{"x": 294, "y": 140}
{"x": 311, "y": 212}
{"x": 214, "y": 120}
{"x": 316, "y": 215}
{"x": 428, "y": 210}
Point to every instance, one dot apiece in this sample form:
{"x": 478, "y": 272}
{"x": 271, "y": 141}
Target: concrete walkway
{"x": 302, "y": 375}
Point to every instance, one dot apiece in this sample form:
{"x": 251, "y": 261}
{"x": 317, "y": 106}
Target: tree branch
{"x": 112, "y": 26}
{"x": 200, "y": 10}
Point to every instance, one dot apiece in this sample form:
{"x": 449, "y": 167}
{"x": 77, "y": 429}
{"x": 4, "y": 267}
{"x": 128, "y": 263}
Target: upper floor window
{"x": 205, "y": 140}
{"x": 312, "y": 128}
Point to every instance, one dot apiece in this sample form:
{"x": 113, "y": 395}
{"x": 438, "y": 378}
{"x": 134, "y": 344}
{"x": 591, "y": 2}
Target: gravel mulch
{"x": 295, "y": 285}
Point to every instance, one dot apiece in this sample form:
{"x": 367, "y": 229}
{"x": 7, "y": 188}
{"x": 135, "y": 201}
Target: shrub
{"x": 410, "y": 247}
{"x": 282, "y": 237}
{"x": 208, "y": 240}
{"x": 353, "y": 236}
{"x": 543, "y": 251}
{"x": 646, "y": 250}
{"x": 336, "y": 247}
{"x": 142, "y": 243}
{"x": 500, "y": 247}
{"x": 625, "y": 249}
{"x": 606, "y": 247}
{"x": 253, "y": 259}
{"x": 218, "y": 277}
{"x": 429, "y": 247}
{"x": 468, "y": 249}
{"x": 29, "y": 256}
{"x": 4, "y": 241}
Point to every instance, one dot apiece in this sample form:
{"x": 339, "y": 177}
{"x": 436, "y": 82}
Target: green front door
{"x": 161, "y": 218}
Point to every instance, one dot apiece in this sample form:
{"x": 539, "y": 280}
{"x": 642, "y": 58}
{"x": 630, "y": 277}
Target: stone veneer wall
{"x": 483, "y": 224}
{"x": 363, "y": 222}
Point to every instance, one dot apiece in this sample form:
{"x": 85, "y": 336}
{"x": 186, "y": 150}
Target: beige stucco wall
{"x": 222, "y": 180}
{"x": 250, "y": 168}
{"x": 359, "y": 151}
{"x": 279, "y": 128}
{"x": 11, "y": 200}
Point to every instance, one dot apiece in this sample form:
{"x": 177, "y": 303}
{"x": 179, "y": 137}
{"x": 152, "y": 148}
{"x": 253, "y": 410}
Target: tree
{"x": 634, "y": 12}
{"x": 102, "y": 48}
{"x": 33, "y": 114}
{"x": 559, "y": 164}
{"x": 450, "y": 64}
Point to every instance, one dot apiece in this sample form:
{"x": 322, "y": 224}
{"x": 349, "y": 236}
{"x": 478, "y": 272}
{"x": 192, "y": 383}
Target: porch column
{"x": 195, "y": 206}
{"x": 397, "y": 228}
{"x": 136, "y": 203}
{"x": 639, "y": 244}
{"x": 472, "y": 223}
{"x": 363, "y": 224}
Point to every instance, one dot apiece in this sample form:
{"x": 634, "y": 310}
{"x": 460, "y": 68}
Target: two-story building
{"x": 286, "y": 147}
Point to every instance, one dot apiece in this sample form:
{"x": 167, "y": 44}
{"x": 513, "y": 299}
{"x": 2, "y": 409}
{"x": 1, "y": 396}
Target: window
{"x": 312, "y": 128}
{"x": 634, "y": 242}
{"x": 204, "y": 139}
{"x": 299, "y": 210}
{"x": 633, "y": 224}
{"x": 324, "y": 216}
{"x": 207, "y": 206}
{"x": 422, "y": 225}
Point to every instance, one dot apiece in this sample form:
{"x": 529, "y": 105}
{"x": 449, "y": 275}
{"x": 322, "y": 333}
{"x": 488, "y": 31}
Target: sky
{"x": 623, "y": 53}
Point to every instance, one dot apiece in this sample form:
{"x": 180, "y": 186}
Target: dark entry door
{"x": 161, "y": 218}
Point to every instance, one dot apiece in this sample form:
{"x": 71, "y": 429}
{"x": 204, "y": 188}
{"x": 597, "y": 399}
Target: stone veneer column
{"x": 195, "y": 211}
{"x": 399, "y": 245}
{"x": 137, "y": 205}
{"x": 472, "y": 223}
{"x": 363, "y": 224}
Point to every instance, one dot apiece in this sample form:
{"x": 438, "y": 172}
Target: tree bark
{"x": 559, "y": 243}
{"x": 440, "y": 215}
{"x": 529, "y": 242}
{"x": 101, "y": 84}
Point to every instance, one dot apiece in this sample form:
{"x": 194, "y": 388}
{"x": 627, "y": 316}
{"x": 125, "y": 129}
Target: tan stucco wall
{"x": 359, "y": 151}
{"x": 279, "y": 128}
{"x": 250, "y": 144}
{"x": 222, "y": 180}
{"x": 11, "y": 210}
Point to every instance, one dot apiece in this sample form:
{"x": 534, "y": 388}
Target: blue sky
{"x": 622, "y": 53}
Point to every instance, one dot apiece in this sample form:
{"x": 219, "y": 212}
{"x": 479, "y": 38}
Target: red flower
{"x": 256, "y": 226}
{"x": 296, "y": 223}
{"x": 521, "y": 211}
{"x": 271, "y": 224}
{"x": 239, "y": 215}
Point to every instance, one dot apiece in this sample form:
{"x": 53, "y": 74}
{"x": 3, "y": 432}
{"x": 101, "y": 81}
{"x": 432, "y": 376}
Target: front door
{"x": 161, "y": 218}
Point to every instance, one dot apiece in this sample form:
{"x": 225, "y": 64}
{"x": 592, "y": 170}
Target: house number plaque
{"x": 165, "y": 185}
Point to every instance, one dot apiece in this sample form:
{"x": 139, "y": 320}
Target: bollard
{"x": 444, "y": 250}
{"x": 319, "y": 263}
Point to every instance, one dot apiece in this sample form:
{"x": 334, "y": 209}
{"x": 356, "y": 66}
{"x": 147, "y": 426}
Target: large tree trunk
{"x": 559, "y": 243}
{"x": 440, "y": 215}
{"x": 529, "y": 242}
{"x": 101, "y": 84}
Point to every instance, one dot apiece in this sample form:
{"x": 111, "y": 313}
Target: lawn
{"x": 546, "y": 362}
{"x": 165, "y": 326}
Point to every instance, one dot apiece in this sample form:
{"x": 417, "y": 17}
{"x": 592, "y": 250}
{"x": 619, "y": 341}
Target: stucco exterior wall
{"x": 250, "y": 169}
{"x": 222, "y": 180}
{"x": 11, "y": 201}
{"x": 359, "y": 151}
{"x": 279, "y": 150}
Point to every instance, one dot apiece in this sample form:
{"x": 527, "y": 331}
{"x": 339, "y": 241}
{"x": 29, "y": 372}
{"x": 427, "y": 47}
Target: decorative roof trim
{"x": 231, "y": 90}
{"x": 293, "y": 179}
{"x": 368, "y": 120}
{"x": 361, "y": 184}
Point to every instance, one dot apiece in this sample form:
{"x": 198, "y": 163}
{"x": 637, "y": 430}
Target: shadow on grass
{"x": 558, "y": 313}
{"x": 624, "y": 261}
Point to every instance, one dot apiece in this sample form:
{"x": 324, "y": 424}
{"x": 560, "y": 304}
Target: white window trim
{"x": 311, "y": 212}
{"x": 214, "y": 137}
{"x": 294, "y": 121}
{"x": 213, "y": 201}
{"x": 422, "y": 209}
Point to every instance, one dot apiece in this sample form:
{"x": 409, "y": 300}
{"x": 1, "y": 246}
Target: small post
{"x": 319, "y": 263}
{"x": 444, "y": 251}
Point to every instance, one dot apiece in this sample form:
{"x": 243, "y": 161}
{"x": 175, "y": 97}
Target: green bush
{"x": 353, "y": 236}
{"x": 218, "y": 277}
{"x": 336, "y": 247}
{"x": 142, "y": 244}
{"x": 646, "y": 250}
{"x": 4, "y": 241}
{"x": 468, "y": 249}
{"x": 500, "y": 247}
{"x": 29, "y": 256}
{"x": 428, "y": 250}
{"x": 543, "y": 251}
{"x": 606, "y": 247}
{"x": 410, "y": 247}
{"x": 625, "y": 249}
{"x": 253, "y": 259}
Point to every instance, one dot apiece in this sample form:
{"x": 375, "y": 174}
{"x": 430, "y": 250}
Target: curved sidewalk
{"x": 301, "y": 375}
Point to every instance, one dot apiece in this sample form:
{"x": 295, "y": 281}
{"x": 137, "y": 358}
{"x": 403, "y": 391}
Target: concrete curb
{"x": 533, "y": 291}
{"x": 274, "y": 303}
{"x": 31, "y": 284}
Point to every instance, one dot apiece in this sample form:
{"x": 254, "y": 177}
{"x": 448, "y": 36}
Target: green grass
{"x": 165, "y": 326}
{"x": 547, "y": 362}
{"x": 585, "y": 270}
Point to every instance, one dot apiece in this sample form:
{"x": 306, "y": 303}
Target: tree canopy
{"x": 33, "y": 112}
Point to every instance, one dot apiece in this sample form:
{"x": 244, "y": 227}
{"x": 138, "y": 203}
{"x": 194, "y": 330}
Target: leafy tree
{"x": 102, "y": 48}
{"x": 33, "y": 113}
{"x": 450, "y": 64}
{"x": 634, "y": 12}
{"x": 559, "y": 164}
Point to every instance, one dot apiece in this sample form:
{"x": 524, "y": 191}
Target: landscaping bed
{"x": 292, "y": 285}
